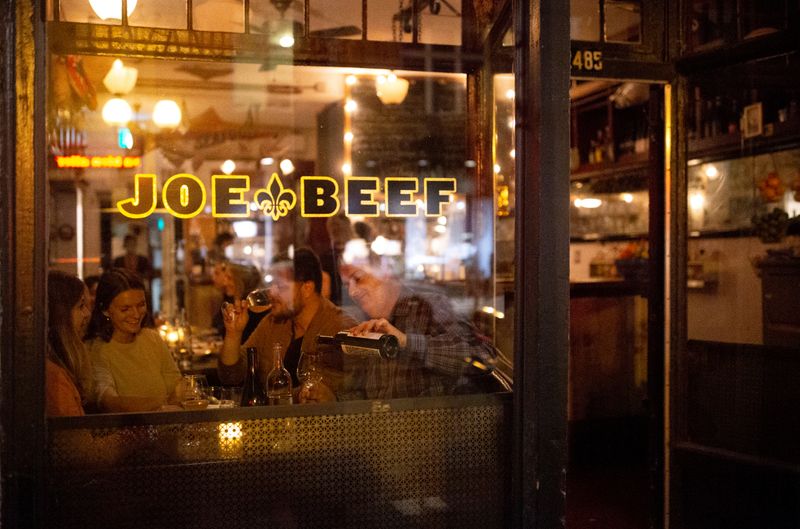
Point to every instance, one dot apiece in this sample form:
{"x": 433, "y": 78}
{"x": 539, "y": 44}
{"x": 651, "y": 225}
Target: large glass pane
{"x": 366, "y": 168}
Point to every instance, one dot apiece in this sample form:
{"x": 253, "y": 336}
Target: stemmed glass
{"x": 308, "y": 372}
{"x": 259, "y": 300}
{"x": 195, "y": 388}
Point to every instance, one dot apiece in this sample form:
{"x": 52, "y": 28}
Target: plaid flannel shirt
{"x": 440, "y": 354}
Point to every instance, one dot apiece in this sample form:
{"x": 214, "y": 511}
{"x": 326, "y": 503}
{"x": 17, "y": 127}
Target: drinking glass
{"x": 305, "y": 364}
{"x": 195, "y": 387}
{"x": 259, "y": 301}
{"x": 226, "y": 397}
{"x": 194, "y": 392}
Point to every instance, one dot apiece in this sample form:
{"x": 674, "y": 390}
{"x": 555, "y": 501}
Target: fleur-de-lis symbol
{"x": 275, "y": 201}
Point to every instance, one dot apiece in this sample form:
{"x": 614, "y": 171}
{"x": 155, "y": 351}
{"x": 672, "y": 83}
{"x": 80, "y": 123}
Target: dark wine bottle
{"x": 253, "y": 392}
{"x": 371, "y": 344}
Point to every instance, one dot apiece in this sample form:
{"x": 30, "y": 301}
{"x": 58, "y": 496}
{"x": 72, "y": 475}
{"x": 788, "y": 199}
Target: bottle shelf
{"x": 625, "y": 164}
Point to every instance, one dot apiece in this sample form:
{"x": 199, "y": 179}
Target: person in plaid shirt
{"x": 440, "y": 353}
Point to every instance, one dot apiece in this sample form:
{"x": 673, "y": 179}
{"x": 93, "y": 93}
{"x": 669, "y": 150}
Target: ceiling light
{"x": 350, "y": 80}
{"x": 390, "y": 89}
{"x": 120, "y": 79}
{"x": 117, "y": 112}
{"x": 286, "y": 165}
{"x": 111, "y": 9}
{"x": 228, "y": 166}
{"x": 167, "y": 114}
{"x": 627, "y": 197}
{"x": 267, "y": 161}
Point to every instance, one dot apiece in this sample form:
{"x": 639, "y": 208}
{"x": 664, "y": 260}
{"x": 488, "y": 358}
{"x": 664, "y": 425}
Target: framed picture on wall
{"x": 752, "y": 121}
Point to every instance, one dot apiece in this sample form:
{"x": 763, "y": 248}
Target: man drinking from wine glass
{"x": 298, "y": 315}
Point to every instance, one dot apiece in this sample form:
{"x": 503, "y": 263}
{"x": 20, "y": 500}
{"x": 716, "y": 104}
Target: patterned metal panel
{"x": 431, "y": 467}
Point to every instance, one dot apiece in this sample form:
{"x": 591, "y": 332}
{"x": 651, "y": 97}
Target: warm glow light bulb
{"x": 117, "y": 112}
{"x": 350, "y": 105}
{"x": 167, "y": 114}
{"x": 347, "y": 169}
{"x": 350, "y": 80}
{"x": 111, "y": 9}
{"x": 228, "y": 166}
{"x": 286, "y": 41}
{"x": 286, "y": 165}
{"x": 348, "y": 136}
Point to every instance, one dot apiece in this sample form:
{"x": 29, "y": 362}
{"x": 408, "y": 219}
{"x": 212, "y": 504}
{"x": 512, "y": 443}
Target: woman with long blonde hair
{"x": 69, "y": 377}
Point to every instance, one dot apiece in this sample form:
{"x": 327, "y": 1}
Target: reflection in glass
{"x": 339, "y": 19}
{"x": 584, "y": 20}
{"x": 218, "y": 15}
{"x": 623, "y": 21}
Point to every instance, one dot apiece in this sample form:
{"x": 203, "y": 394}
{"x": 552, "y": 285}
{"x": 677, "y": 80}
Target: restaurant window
{"x": 202, "y": 177}
{"x": 200, "y": 154}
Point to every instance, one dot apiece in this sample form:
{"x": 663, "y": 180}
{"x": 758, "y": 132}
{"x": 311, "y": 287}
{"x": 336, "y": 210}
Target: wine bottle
{"x": 279, "y": 381}
{"x": 371, "y": 344}
{"x": 252, "y": 392}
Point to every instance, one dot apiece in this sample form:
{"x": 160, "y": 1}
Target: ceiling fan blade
{"x": 341, "y": 31}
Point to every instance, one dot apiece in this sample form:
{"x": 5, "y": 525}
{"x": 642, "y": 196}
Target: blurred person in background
{"x": 133, "y": 369}
{"x": 340, "y": 232}
{"x": 69, "y": 382}
{"x": 132, "y": 261}
{"x": 91, "y": 283}
{"x": 237, "y": 280}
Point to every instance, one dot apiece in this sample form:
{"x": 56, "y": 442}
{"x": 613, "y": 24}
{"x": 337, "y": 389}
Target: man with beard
{"x": 299, "y": 314}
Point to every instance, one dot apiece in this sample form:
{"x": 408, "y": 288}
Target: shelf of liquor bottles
{"x": 725, "y": 120}
{"x": 609, "y": 130}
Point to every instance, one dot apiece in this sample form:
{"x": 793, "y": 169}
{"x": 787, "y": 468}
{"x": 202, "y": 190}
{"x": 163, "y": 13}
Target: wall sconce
{"x": 390, "y": 89}
{"x": 111, "y": 9}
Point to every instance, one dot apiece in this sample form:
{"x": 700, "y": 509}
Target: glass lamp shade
{"x": 167, "y": 114}
{"x": 117, "y": 112}
{"x": 111, "y": 9}
{"x": 390, "y": 89}
{"x": 120, "y": 79}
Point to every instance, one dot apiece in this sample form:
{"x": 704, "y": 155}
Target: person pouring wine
{"x": 439, "y": 353}
{"x": 298, "y": 315}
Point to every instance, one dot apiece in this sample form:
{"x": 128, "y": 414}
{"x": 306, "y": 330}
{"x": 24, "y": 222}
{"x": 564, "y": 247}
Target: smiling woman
{"x": 133, "y": 369}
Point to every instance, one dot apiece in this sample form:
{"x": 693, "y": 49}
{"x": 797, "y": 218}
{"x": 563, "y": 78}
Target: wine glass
{"x": 309, "y": 376}
{"x": 195, "y": 388}
{"x": 259, "y": 300}
{"x": 306, "y": 364}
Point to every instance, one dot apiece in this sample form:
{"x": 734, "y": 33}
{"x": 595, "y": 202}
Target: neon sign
{"x": 102, "y": 162}
{"x": 184, "y": 196}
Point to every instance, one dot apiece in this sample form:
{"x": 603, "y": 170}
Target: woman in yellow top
{"x": 133, "y": 369}
{"x": 68, "y": 371}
